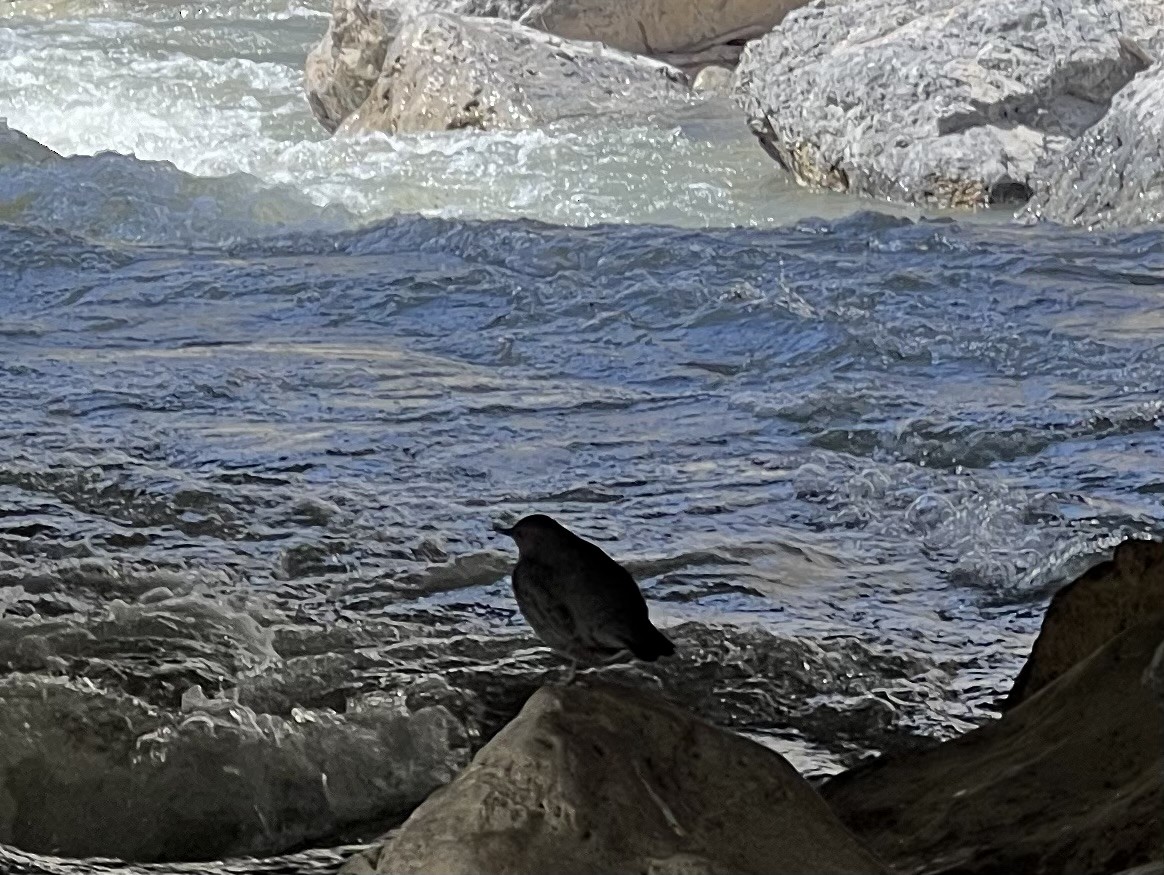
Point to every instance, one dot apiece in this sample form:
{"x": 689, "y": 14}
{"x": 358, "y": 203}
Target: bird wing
{"x": 615, "y": 582}
{"x": 604, "y": 593}
{"x": 541, "y": 602}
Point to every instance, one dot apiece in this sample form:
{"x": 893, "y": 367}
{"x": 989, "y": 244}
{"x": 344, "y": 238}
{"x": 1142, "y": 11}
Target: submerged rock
{"x": 677, "y": 31}
{"x": 945, "y": 102}
{"x": 1113, "y": 175}
{"x": 1111, "y": 597}
{"x": 445, "y": 72}
{"x": 1068, "y": 782}
{"x": 612, "y": 779}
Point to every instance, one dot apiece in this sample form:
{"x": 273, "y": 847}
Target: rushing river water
{"x": 265, "y": 393}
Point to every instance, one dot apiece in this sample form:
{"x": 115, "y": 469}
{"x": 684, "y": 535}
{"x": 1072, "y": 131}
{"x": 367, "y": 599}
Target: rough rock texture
{"x": 444, "y": 72}
{"x": 943, "y": 102}
{"x": 678, "y": 31}
{"x": 612, "y": 779}
{"x": 713, "y": 80}
{"x": 1097, "y": 606}
{"x": 343, "y": 67}
{"x": 1113, "y": 175}
{"x": 1069, "y": 782}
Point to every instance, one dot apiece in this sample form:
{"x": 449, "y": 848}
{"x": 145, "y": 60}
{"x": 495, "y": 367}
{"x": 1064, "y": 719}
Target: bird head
{"x": 532, "y": 532}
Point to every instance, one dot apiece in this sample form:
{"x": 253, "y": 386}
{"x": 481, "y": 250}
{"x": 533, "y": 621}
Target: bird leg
{"x": 596, "y": 668}
{"x": 571, "y": 673}
{"x": 615, "y": 658}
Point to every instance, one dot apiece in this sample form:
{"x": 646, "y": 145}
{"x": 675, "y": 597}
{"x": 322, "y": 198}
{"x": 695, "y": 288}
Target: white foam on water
{"x": 216, "y": 90}
{"x": 87, "y": 767}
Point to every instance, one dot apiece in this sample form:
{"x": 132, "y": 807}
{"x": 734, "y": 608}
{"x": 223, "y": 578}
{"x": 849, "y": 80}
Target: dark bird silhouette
{"x": 578, "y": 600}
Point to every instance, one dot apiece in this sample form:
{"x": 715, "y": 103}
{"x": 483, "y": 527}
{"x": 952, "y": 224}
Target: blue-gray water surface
{"x": 259, "y": 419}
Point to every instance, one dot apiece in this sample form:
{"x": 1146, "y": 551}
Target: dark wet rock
{"x": 1113, "y": 596}
{"x": 1068, "y": 782}
{"x": 679, "y": 32}
{"x": 844, "y": 699}
{"x": 313, "y": 560}
{"x": 942, "y": 102}
{"x": 606, "y": 778}
{"x": 1113, "y": 175}
{"x": 445, "y": 72}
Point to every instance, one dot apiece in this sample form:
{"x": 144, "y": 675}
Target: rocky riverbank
{"x": 1044, "y": 106}
{"x": 608, "y": 778}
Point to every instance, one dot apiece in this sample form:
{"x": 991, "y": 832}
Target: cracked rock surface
{"x": 445, "y": 72}
{"x": 950, "y": 103}
{"x": 1113, "y": 175}
{"x": 343, "y": 67}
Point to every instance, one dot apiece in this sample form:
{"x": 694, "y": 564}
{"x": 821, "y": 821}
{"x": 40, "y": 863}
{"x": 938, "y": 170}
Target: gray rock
{"x": 342, "y": 69}
{"x": 1113, "y": 175}
{"x": 713, "y": 79}
{"x": 445, "y": 72}
{"x": 680, "y": 32}
{"x": 614, "y": 779}
{"x": 942, "y": 102}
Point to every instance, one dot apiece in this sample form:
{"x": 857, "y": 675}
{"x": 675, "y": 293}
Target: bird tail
{"x": 650, "y": 644}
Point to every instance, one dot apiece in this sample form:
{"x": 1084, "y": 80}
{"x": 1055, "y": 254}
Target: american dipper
{"x": 578, "y": 600}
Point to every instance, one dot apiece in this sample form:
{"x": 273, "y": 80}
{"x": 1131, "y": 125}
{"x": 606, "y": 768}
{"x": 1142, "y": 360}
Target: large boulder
{"x": 1066, "y": 783}
{"x": 446, "y": 71}
{"x": 678, "y": 31}
{"x": 1113, "y": 175}
{"x": 342, "y": 69}
{"x": 941, "y": 102}
{"x": 1113, "y": 596}
{"x": 612, "y": 779}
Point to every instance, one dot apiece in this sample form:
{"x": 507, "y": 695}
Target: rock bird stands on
{"x": 578, "y": 600}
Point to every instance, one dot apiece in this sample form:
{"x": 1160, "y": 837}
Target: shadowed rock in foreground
{"x": 1066, "y": 783}
{"x": 613, "y": 779}
{"x": 1094, "y": 608}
